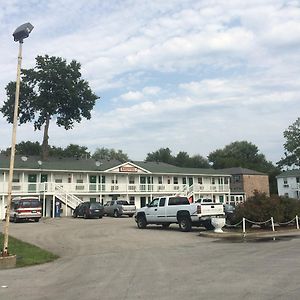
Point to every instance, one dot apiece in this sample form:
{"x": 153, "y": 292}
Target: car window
{"x": 162, "y": 201}
{"x": 30, "y": 203}
{"x": 179, "y": 201}
{"x": 95, "y": 206}
{"x": 122, "y": 202}
{"x": 153, "y": 203}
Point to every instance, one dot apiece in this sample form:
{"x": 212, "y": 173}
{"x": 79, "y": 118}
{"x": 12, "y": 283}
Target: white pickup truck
{"x": 177, "y": 209}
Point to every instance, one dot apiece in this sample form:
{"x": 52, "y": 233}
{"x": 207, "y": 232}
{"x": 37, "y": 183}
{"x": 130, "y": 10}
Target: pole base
{"x": 8, "y": 262}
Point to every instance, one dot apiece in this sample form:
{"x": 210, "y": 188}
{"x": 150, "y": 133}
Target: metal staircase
{"x": 65, "y": 197}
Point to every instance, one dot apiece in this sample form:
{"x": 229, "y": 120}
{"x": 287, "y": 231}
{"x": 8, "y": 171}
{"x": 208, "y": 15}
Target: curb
{"x": 231, "y": 235}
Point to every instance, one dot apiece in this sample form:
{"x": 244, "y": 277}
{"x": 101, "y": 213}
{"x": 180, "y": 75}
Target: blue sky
{"x": 193, "y": 76}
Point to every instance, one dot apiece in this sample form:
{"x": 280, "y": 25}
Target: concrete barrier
{"x": 7, "y": 262}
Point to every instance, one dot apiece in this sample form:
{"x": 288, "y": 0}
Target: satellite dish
{"x": 24, "y": 158}
{"x": 40, "y": 162}
{"x": 98, "y": 163}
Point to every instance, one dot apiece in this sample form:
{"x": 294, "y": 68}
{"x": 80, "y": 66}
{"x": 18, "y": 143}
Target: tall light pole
{"x": 19, "y": 34}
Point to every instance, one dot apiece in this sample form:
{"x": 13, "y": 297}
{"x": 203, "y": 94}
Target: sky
{"x": 191, "y": 75}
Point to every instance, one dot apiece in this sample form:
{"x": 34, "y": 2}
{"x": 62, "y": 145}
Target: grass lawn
{"x": 27, "y": 254}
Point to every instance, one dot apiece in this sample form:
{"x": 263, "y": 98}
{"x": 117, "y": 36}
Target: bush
{"x": 260, "y": 208}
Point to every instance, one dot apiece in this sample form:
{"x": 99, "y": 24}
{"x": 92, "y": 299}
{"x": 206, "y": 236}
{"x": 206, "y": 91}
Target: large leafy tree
{"x": 246, "y": 155}
{"x": 108, "y": 154}
{"x": 291, "y": 146}
{"x": 161, "y": 155}
{"x": 182, "y": 159}
{"x": 26, "y": 148}
{"x": 34, "y": 148}
{"x": 52, "y": 90}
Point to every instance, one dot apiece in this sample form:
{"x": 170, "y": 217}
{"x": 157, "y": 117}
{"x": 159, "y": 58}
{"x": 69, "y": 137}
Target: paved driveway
{"x": 111, "y": 259}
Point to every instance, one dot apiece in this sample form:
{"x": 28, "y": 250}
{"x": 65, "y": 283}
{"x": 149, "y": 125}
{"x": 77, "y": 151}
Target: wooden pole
{"x": 12, "y": 154}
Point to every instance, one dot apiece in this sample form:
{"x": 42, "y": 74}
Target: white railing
{"x": 75, "y": 188}
{"x": 67, "y": 198}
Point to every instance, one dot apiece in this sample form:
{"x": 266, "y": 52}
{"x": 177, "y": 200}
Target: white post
{"x": 244, "y": 225}
{"x": 44, "y": 203}
{"x": 53, "y": 206}
{"x": 272, "y": 221}
{"x": 297, "y": 222}
{"x": 66, "y": 204}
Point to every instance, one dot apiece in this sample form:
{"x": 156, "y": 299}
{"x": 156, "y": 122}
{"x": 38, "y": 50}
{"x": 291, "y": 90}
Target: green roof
{"x": 241, "y": 171}
{"x": 88, "y": 165}
{"x": 289, "y": 173}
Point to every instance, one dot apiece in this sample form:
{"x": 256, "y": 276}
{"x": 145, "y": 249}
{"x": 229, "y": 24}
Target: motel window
{"x": 183, "y": 180}
{"x": 236, "y": 178}
{"x": 200, "y": 180}
{"x": 131, "y": 179}
{"x": 225, "y": 180}
{"x": 220, "y": 180}
{"x": 213, "y": 180}
{"x": 298, "y": 179}
{"x": 16, "y": 178}
{"x": 79, "y": 180}
{"x": 58, "y": 180}
{"x": 175, "y": 179}
{"x": 132, "y": 200}
{"x": 160, "y": 180}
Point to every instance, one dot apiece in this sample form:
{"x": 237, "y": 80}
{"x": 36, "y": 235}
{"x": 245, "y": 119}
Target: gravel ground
{"x": 112, "y": 259}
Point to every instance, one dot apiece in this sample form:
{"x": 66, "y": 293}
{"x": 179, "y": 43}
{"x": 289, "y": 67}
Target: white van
{"x": 25, "y": 208}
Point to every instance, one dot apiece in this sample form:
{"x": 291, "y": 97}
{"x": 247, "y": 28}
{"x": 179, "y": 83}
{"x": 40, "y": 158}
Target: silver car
{"x": 117, "y": 208}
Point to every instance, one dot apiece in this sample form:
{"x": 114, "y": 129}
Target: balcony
{"x": 96, "y": 188}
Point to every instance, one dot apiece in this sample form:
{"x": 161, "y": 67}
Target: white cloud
{"x": 193, "y": 75}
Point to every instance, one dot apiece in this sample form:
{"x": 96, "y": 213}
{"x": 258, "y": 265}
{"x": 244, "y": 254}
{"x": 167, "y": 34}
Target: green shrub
{"x": 260, "y": 208}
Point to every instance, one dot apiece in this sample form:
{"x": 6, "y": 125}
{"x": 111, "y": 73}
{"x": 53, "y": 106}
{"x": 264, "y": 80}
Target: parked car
{"x": 229, "y": 212}
{"x": 118, "y": 208}
{"x": 25, "y": 208}
{"x": 89, "y": 210}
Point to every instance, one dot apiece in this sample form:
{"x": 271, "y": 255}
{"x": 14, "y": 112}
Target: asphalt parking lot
{"x": 112, "y": 259}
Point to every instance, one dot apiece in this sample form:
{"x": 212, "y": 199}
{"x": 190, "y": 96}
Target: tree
{"x": 26, "y": 148}
{"x": 109, "y": 154}
{"x": 198, "y": 161}
{"x": 292, "y": 146}
{"x": 53, "y": 89}
{"x": 246, "y": 155}
{"x": 162, "y": 155}
{"x": 71, "y": 150}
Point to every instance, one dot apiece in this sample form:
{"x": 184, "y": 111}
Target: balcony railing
{"x": 81, "y": 188}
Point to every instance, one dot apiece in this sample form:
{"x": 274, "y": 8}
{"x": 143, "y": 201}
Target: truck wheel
{"x": 85, "y": 216}
{"x": 166, "y": 225}
{"x": 207, "y": 224}
{"x": 141, "y": 222}
{"x": 116, "y": 214}
{"x": 185, "y": 224}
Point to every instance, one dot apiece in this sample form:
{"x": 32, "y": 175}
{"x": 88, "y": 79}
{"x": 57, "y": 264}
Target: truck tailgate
{"x": 130, "y": 208}
{"x": 211, "y": 209}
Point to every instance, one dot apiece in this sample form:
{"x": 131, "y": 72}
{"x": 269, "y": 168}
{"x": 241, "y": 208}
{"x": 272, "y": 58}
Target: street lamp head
{"x": 22, "y": 32}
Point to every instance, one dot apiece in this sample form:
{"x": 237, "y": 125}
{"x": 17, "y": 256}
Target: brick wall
{"x": 256, "y": 182}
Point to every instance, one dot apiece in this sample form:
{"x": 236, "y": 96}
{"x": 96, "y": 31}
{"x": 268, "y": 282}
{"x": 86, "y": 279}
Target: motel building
{"x": 69, "y": 181}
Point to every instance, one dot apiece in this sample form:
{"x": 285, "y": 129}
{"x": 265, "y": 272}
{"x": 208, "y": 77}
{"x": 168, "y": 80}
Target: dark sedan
{"x": 89, "y": 210}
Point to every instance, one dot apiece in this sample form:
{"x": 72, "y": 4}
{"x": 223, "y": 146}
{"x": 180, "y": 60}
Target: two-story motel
{"x": 71, "y": 181}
